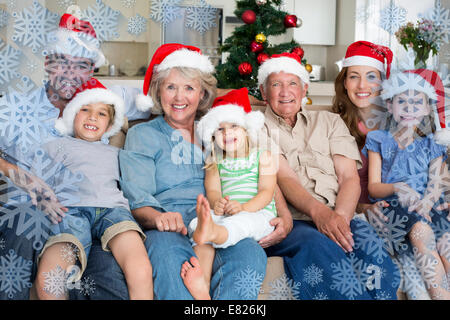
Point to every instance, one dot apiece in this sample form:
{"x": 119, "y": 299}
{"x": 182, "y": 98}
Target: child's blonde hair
{"x": 212, "y": 160}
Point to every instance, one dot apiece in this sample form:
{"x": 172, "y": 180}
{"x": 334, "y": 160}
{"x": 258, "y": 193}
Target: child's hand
{"x": 423, "y": 207}
{"x": 233, "y": 207}
{"x": 407, "y": 196}
{"x": 219, "y": 206}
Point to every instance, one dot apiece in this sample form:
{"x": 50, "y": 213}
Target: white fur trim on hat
{"x": 208, "y": 124}
{"x": 186, "y": 58}
{"x": 64, "y": 125}
{"x": 76, "y": 44}
{"x": 363, "y": 61}
{"x": 403, "y": 81}
{"x": 442, "y": 137}
{"x": 285, "y": 64}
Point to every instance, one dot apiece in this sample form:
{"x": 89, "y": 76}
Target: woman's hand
{"x": 171, "y": 222}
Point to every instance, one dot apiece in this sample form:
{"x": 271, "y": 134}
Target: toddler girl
{"x": 240, "y": 183}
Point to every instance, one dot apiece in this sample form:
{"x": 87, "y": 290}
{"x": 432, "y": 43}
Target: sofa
{"x": 275, "y": 281}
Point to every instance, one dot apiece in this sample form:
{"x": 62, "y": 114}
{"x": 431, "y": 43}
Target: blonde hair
{"x": 212, "y": 160}
{"x": 207, "y": 81}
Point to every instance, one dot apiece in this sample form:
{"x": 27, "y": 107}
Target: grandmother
{"x": 332, "y": 254}
{"x": 162, "y": 176}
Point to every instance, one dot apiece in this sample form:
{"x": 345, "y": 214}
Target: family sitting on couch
{"x": 212, "y": 184}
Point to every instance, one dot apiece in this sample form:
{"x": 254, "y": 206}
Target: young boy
{"x": 93, "y": 115}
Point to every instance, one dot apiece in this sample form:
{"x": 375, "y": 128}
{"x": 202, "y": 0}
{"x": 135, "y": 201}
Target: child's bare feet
{"x": 194, "y": 280}
{"x": 205, "y": 226}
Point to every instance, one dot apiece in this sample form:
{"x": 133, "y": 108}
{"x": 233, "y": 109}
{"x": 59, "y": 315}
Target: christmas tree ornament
{"x": 290, "y": 21}
{"x": 262, "y": 57}
{"x": 261, "y": 2}
{"x": 249, "y": 16}
{"x": 245, "y": 68}
{"x": 299, "y": 23}
{"x": 260, "y": 37}
{"x": 256, "y": 47}
{"x": 308, "y": 101}
{"x": 298, "y": 51}
{"x": 308, "y": 67}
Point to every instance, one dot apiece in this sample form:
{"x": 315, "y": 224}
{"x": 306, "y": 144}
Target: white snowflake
{"x": 366, "y": 239}
{"x": 412, "y": 283}
{"x": 65, "y": 3}
{"x": 128, "y": 3}
{"x": 69, "y": 253}
{"x": 248, "y": 283}
{"x": 426, "y": 263}
{"x": 137, "y": 25}
{"x": 201, "y": 18}
{"x": 165, "y": 11}
{"x": 3, "y": 18}
{"x": 9, "y": 62}
{"x": 312, "y": 275}
{"x": 441, "y": 17}
{"x": 392, "y": 231}
{"x": 392, "y": 17}
{"x": 382, "y": 295}
{"x": 32, "y": 25}
{"x": 87, "y": 286}
{"x": 349, "y": 276}
{"x": 284, "y": 288}
{"x": 26, "y": 119}
{"x": 15, "y": 273}
{"x": 55, "y": 281}
{"x": 103, "y": 19}
{"x": 320, "y": 296}
{"x": 29, "y": 220}
{"x": 362, "y": 14}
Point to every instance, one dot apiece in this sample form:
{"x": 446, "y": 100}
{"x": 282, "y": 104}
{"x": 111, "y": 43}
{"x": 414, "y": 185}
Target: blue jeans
{"x": 238, "y": 271}
{"x": 320, "y": 269}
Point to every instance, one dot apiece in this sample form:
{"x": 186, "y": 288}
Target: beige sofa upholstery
{"x": 275, "y": 280}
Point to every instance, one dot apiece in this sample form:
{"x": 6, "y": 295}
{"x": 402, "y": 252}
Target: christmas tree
{"x": 249, "y": 46}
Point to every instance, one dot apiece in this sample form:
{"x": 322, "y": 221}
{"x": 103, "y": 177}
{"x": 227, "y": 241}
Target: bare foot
{"x": 194, "y": 280}
{"x": 205, "y": 231}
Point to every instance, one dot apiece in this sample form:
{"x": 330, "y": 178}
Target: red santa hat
{"x": 286, "y": 62}
{"x": 166, "y": 57}
{"x": 364, "y": 53}
{"x": 428, "y": 82}
{"x": 91, "y": 92}
{"x": 77, "y": 38}
{"x": 234, "y": 107}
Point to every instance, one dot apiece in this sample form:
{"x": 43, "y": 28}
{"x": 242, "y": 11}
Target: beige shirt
{"x": 309, "y": 147}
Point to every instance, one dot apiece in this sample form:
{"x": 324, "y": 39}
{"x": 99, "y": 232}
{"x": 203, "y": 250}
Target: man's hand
{"x": 42, "y": 196}
{"x": 335, "y": 227}
{"x": 282, "y": 229}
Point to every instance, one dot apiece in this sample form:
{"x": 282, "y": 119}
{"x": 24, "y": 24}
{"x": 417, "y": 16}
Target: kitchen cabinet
{"x": 319, "y": 22}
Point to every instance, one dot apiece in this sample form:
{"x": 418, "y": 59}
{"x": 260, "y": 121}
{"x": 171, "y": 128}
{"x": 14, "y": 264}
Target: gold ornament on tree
{"x": 308, "y": 67}
{"x": 261, "y": 38}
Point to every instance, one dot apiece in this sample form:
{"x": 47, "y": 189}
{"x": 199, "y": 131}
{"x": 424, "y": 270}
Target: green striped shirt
{"x": 239, "y": 179}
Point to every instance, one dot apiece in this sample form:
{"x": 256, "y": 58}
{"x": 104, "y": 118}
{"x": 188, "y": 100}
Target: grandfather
{"x": 328, "y": 251}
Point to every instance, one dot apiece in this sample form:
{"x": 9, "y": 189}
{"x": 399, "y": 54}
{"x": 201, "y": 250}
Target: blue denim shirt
{"x": 159, "y": 168}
